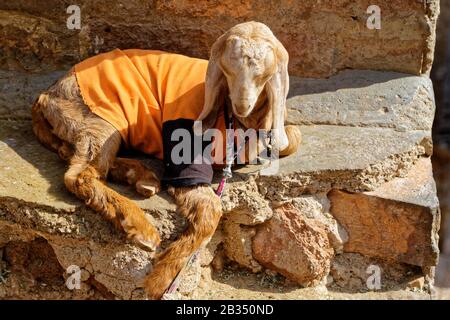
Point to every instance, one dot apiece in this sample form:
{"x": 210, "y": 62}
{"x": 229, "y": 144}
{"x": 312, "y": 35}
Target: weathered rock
{"x": 238, "y": 245}
{"x": 117, "y": 268}
{"x": 333, "y": 35}
{"x": 243, "y": 204}
{"x": 317, "y": 207}
{"x": 324, "y": 162}
{"x": 398, "y": 221}
{"x": 295, "y": 246}
{"x": 243, "y": 208}
{"x": 36, "y": 259}
{"x": 363, "y": 98}
{"x": 356, "y": 273}
{"x": 33, "y": 43}
{"x": 385, "y": 118}
{"x": 18, "y": 90}
{"x": 209, "y": 250}
{"x": 238, "y": 233}
{"x": 233, "y": 285}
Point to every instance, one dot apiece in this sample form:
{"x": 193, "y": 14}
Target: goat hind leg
{"x": 43, "y": 130}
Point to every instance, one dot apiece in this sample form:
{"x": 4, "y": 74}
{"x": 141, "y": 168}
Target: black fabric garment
{"x": 190, "y": 173}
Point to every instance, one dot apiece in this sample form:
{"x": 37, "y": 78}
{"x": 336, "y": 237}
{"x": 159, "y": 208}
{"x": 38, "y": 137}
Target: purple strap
{"x": 221, "y": 186}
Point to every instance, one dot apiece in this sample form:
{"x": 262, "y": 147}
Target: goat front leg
{"x": 95, "y": 149}
{"x": 203, "y": 210}
{"x": 125, "y": 214}
{"x": 134, "y": 172}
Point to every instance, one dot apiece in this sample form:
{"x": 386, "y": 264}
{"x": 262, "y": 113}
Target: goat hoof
{"x": 144, "y": 234}
{"x": 147, "y": 244}
{"x": 147, "y": 188}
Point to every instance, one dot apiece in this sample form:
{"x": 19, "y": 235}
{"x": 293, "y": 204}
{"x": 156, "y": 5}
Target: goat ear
{"x": 277, "y": 89}
{"x": 214, "y": 87}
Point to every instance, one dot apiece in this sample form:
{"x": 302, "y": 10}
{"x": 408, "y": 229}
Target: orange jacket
{"x": 138, "y": 90}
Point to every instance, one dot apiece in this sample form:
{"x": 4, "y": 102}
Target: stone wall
{"x": 322, "y": 37}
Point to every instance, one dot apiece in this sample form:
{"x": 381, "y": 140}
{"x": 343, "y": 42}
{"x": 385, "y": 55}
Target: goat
{"x": 247, "y": 64}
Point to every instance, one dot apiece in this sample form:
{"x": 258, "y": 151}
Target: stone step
{"x": 363, "y": 98}
{"x": 325, "y": 161}
{"x": 322, "y": 163}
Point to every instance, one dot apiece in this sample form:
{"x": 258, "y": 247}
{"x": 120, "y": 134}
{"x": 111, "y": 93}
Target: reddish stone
{"x": 295, "y": 246}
